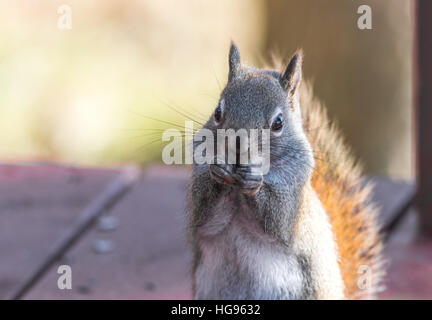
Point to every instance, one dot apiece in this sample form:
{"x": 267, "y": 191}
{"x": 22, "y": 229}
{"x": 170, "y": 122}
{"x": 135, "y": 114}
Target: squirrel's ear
{"x": 292, "y": 76}
{"x": 234, "y": 61}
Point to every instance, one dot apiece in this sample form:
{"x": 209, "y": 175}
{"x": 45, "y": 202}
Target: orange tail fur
{"x": 337, "y": 182}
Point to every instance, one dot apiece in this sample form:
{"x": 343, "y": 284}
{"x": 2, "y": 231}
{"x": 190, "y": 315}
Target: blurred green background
{"x": 80, "y": 96}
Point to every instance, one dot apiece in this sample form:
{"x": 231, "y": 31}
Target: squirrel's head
{"x": 264, "y": 99}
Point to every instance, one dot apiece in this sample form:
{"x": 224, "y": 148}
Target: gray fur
{"x": 243, "y": 240}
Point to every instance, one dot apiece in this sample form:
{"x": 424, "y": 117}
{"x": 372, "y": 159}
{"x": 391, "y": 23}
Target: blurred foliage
{"x": 81, "y": 95}
{"x": 84, "y": 95}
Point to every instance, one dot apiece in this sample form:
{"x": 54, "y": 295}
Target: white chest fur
{"x": 240, "y": 262}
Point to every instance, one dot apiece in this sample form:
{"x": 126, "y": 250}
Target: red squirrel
{"x": 302, "y": 230}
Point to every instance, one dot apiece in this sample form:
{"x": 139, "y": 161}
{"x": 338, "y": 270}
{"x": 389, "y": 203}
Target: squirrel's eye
{"x": 218, "y": 114}
{"x": 277, "y": 123}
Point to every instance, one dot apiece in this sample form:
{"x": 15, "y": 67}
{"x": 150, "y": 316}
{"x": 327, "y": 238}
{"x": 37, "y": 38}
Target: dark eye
{"x": 277, "y": 123}
{"x": 218, "y": 114}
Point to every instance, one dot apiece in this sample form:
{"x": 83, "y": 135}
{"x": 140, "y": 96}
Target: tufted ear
{"x": 234, "y": 61}
{"x": 292, "y": 76}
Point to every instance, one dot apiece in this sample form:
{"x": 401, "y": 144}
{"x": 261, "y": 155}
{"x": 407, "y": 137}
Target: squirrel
{"x": 305, "y": 229}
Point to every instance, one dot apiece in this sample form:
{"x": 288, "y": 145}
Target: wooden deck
{"x": 141, "y": 252}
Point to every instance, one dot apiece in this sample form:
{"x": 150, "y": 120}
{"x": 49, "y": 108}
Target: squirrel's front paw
{"x": 249, "y": 179}
{"x": 221, "y": 172}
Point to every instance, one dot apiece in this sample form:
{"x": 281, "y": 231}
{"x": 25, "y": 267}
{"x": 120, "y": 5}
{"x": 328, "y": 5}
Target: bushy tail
{"x": 337, "y": 182}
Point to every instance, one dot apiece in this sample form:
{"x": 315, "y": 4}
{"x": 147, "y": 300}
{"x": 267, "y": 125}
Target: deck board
{"x": 150, "y": 259}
